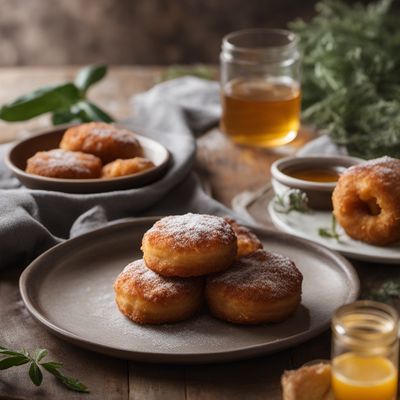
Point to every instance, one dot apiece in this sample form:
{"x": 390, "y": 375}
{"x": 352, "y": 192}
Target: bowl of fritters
{"x": 39, "y": 162}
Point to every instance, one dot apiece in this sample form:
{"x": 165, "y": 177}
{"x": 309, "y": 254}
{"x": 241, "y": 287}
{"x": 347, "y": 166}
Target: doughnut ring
{"x": 189, "y": 245}
{"x": 366, "y": 201}
{"x": 247, "y": 241}
{"x": 128, "y": 166}
{"x": 261, "y": 287}
{"x": 103, "y": 140}
{"x": 148, "y": 298}
{"x": 59, "y": 163}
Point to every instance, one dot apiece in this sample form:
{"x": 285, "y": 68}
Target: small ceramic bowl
{"x": 50, "y": 139}
{"x": 319, "y": 193}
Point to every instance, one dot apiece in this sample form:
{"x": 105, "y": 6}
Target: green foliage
{"x": 177, "y": 71}
{"x": 330, "y": 232}
{"x": 291, "y": 200}
{"x": 387, "y": 292}
{"x": 351, "y": 79}
{"x": 67, "y": 102}
{"x": 13, "y": 358}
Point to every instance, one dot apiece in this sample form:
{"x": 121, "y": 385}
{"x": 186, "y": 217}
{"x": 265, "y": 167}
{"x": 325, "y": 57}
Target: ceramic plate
{"x": 50, "y": 139}
{"x": 306, "y": 225}
{"x": 69, "y": 290}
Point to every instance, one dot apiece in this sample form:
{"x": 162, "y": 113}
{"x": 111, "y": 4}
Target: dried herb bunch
{"x": 351, "y": 79}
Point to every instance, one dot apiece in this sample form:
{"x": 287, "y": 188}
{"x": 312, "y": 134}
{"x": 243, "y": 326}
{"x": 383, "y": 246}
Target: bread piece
{"x": 312, "y": 382}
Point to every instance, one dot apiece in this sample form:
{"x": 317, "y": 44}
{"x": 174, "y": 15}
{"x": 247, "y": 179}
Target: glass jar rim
{"x": 292, "y": 40}
{"x": 354, "y": 333}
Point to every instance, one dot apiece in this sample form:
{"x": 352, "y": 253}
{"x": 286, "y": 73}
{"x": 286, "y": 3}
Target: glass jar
{"x": 365, "y": 351}
{"x": 260, "y": 87}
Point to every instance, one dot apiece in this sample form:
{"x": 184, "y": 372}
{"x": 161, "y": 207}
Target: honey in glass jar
{"x": 260, "y": 91}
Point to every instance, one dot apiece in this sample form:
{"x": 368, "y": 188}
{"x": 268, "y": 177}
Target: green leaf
{"x": 88, "y": 76}
{"x": 4, "y": 351}
{"x": 40, "y": 354}
{"x": 93, "y": 113}
{"x": 332, "y": 232}
{"x": 70, "y": 383}
{"x": 13, "y": 361}
{"x": 52, "y": 367}
{"x": 40, "y": 101}
{"x": 35, "y": 374}
{"x": 324, "y": 233}
{"x": 70, "y": 116}
{"x": 74, "y": 384}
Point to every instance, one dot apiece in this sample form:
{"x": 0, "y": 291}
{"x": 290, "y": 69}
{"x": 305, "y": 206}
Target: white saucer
{"x": 306, "y": 226}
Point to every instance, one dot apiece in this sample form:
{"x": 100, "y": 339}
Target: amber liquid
{"x": 321, "y": 175}
{"x": 261, "y": 112}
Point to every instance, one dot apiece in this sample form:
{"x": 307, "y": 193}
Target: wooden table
{"x": 230, "y": 170}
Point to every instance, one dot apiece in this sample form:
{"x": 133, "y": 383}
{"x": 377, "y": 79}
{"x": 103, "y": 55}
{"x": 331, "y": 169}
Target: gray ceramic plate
{"x": 50, "y": 139}
{"x": 69, "y": 290}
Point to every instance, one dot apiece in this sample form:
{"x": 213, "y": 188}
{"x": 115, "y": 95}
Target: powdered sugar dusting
{"x": 376, "y": 179}
{"x": 189, "y": 230}
{"x": 153, "y": 286}
{"x": 58, "y": 159}
{"x": 110, "y": 132}
{"x": 385, "y": 166}
{"x": 268, "y": 274}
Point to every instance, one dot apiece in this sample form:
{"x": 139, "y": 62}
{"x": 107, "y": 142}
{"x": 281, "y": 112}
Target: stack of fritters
{"x": 192, "y": 257}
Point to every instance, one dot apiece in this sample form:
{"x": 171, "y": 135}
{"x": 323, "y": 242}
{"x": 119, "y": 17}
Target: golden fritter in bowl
{"x": 59, "y": 163}
{"x": 130, "y": 166}
{"x": 103, "y": 140}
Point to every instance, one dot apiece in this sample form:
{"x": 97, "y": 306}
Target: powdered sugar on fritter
{"x": 271, "y": 274}
{"x": 188, "y": 230}
{"x": 154, "y": 286}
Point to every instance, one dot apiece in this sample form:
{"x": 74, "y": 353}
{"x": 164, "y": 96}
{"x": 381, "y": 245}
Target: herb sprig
{"x": 388, "y": 292}
{"x": 350, "y": 75}
{"x": 291, "y": 200}
{"x": 67, "y": 101}
{"x": 330, "y": 232}
{"x": 13, "y": 358}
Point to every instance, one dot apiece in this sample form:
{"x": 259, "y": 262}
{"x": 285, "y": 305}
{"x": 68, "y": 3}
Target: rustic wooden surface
{"x": 230, "y": 170}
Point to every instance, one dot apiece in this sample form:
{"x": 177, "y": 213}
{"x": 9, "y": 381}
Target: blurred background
{"x": 148, "y": 32}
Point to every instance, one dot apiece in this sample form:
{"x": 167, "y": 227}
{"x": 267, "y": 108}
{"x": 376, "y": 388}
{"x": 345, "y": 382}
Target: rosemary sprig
{"x": 13, "y": 358}
{"x": 291, "y": 200}
{"x": 330, "y": 232}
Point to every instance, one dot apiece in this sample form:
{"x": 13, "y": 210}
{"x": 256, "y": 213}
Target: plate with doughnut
{"x": 88, "y": 158}
{"x": 187, "y": 288}
{"x": 365, "y": 222}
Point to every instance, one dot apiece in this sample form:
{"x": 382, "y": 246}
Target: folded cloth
{"x": 31, "y": 221}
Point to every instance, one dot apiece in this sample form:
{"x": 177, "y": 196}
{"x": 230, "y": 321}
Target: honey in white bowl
{"x": 315, "y": 173}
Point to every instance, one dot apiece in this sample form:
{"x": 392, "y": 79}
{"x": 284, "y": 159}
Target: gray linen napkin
{"x": 31, "y": 221}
